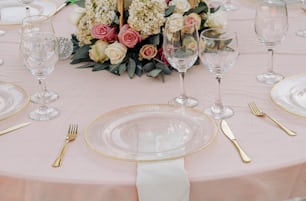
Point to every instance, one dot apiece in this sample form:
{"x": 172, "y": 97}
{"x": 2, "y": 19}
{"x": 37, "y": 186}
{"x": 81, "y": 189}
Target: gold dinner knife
{"x": 229, "y": 134}
{"x": 10, "y": 129}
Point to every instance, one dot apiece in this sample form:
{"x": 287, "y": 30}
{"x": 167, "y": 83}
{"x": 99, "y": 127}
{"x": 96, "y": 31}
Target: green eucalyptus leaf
{"x": 87, "y": 65}
{"x": 114, "y": 68}
{"x": 164, "y": 68}
{"x": 139, "y": 70}
{"x": 122, "y": 68}
{"x": 81, "y": 53}
{"x": 131, "y": 67}
{"x": 148, "y": 67}
{"x": 169, "y": 11}
{"x": 155, "y": 39}
{"x": 154, "y": 72}
{"x": 99, "y": 66}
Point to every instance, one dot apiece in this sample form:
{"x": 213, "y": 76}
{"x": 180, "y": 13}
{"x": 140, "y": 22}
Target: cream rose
{"x": 116, "y": 52}
{"x": 181, "y": 6}
{"x": 217, "y": 19}
{"x": 97, "y": 51}
{"x": 76, "y": 15}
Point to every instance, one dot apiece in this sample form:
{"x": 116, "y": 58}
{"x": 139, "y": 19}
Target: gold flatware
{"x": 229, "y": 134}
{"x": 63, "y": 5}
{"x": 71, "y": 136}
{"x": 257, "y": 112}
{"x": 12, "y": 128}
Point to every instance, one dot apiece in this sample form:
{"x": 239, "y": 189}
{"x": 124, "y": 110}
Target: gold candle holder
{"x": 120, "y": 6}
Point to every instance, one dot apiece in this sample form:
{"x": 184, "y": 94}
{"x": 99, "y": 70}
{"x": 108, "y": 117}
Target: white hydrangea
{"x": 147, "y": 17}
{"x": 181, "y": 6}
{"x": 97, "y": 11}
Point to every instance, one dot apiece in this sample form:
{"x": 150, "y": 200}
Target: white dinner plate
{"x": 290, "y": 94}
{"x": 150, "y": 132}
{"x": 13, "y": 99}
{"x": 12, "y": 11}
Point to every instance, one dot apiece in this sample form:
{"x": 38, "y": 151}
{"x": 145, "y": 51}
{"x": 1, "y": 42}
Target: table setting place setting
{"x": 156, "y": 137}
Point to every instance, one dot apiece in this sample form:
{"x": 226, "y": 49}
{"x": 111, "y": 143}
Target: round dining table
{"x": 277, "y": 171}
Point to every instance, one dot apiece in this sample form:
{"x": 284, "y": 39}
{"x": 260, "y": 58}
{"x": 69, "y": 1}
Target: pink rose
{"x": 147, "y": 52}
{"x": 104, "y": 32}
{"x": 193, "y": 18}
{"x": 128, "y": 36}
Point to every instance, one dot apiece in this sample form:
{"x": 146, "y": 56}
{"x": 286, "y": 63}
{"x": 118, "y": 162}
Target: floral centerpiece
{"x": 126, "y": 36}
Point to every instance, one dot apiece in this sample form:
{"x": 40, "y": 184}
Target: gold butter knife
{"x": 229, "y": 134}
{"x": 10, "y": 129}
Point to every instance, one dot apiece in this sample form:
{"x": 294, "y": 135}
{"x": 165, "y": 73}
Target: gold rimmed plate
{"x": 13, "y": 99}
{"x": 290, "y": 94}
{"x": 12, "y": 11}
{"x": 150, "y": 132}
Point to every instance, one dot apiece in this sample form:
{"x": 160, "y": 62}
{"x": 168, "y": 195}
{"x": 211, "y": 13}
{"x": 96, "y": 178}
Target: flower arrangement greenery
{"x": 126, "y": 36}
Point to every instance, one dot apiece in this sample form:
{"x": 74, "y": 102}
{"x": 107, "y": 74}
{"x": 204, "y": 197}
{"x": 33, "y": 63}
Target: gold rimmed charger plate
{"x": 13, "y": 99}
{"x": 290, "y": 94}
{"x": 12, "y": 11}
{"x": 150, "y": 132}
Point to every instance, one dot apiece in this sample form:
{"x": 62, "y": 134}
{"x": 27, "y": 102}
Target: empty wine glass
{"x": 271, "y": 27}
{"x": 180, "y": 46}
{"x": 39, "y": 23}
{"x": 25, "y": 3}
{"x": 218, "y": 52}
{"x": 302, "y": 32}
{"x": 2, "y": 32}
{"x": 40, "y": 57}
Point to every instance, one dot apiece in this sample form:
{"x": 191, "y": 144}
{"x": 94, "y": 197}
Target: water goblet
{"x": 39, "y": 23}
{"x": 302, "y": 32}
{"x": 40, "y": 58}
{"x": 180, "y": 46}
{"x": 271, "y": 27}
{"x": 218, "y": 52}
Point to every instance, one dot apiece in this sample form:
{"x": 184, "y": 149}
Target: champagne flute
{"x": 271, "y": 27}
{"x": 180, "y": 46}
{"x": 40, "y": 58}
{"x": 302, "y": 32}
{"x": 39, "y": 23}
{"x": 218, "y": 52}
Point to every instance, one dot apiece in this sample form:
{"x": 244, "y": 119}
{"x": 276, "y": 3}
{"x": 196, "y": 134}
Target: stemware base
{"x": 185, "y": 101}
{"x": 270, "y": 77}
{"x": 44, "y": 113}
{"x": 301, "y": 33}
{"x": 48, "y": 97}
{"x": 218, "y": 114}
{"x": 230, "y": 7}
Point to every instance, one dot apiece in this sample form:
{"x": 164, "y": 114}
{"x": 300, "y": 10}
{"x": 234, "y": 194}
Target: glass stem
{"x": 218, "y": 103}
{"x": 270, "y": 60}
{"x": 42, "y": 90}
{"x": 182, "y": 85}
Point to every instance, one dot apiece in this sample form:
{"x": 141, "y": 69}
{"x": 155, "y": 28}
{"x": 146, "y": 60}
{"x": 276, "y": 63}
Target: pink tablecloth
{"x": 278, "y": 168}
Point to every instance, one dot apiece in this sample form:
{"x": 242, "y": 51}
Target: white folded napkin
{"x": 162, "y": 181}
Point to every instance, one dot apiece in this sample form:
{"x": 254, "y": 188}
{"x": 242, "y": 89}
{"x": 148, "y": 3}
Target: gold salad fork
{"x": 71, "y": 135}
{"x": 257, "y": 112}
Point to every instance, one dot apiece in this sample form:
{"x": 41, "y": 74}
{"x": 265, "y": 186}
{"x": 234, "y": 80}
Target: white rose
{"x": 175, "y": 22}
{"x": 97, "y": 51}
{"x": 181, "y": 6}
{"x": 76, "y": 15}
{"x": 217, "y": 19}
{"x": 116, "y": 52}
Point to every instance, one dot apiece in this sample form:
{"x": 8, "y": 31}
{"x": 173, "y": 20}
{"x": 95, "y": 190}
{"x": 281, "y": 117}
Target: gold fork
{"x": 257, "y": 112}
{"x": 71, "y": 135}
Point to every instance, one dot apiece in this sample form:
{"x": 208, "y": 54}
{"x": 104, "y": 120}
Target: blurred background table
{"x": 278, "y": 168}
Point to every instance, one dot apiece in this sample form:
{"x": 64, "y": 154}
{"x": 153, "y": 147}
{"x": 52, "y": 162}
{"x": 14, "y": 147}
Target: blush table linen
{"x": 278, "y": 168}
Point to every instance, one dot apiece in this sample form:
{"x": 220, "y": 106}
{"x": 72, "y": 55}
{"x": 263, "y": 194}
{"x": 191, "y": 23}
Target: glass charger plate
{"x": 290, "y": 94}
{"x": 13, "y": 99}
{"x": 150, "y": 132}
{"x": 12, "y": 11}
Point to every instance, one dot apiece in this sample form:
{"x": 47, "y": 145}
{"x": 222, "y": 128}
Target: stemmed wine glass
{"x": 218, "y": 52}
{"x": 39, "y": 23}
{"x": 40, "y": 57}
{"x": 302, "y": 32}
{"x": 271, "y": 27}
{"x": 180, "y": 47}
